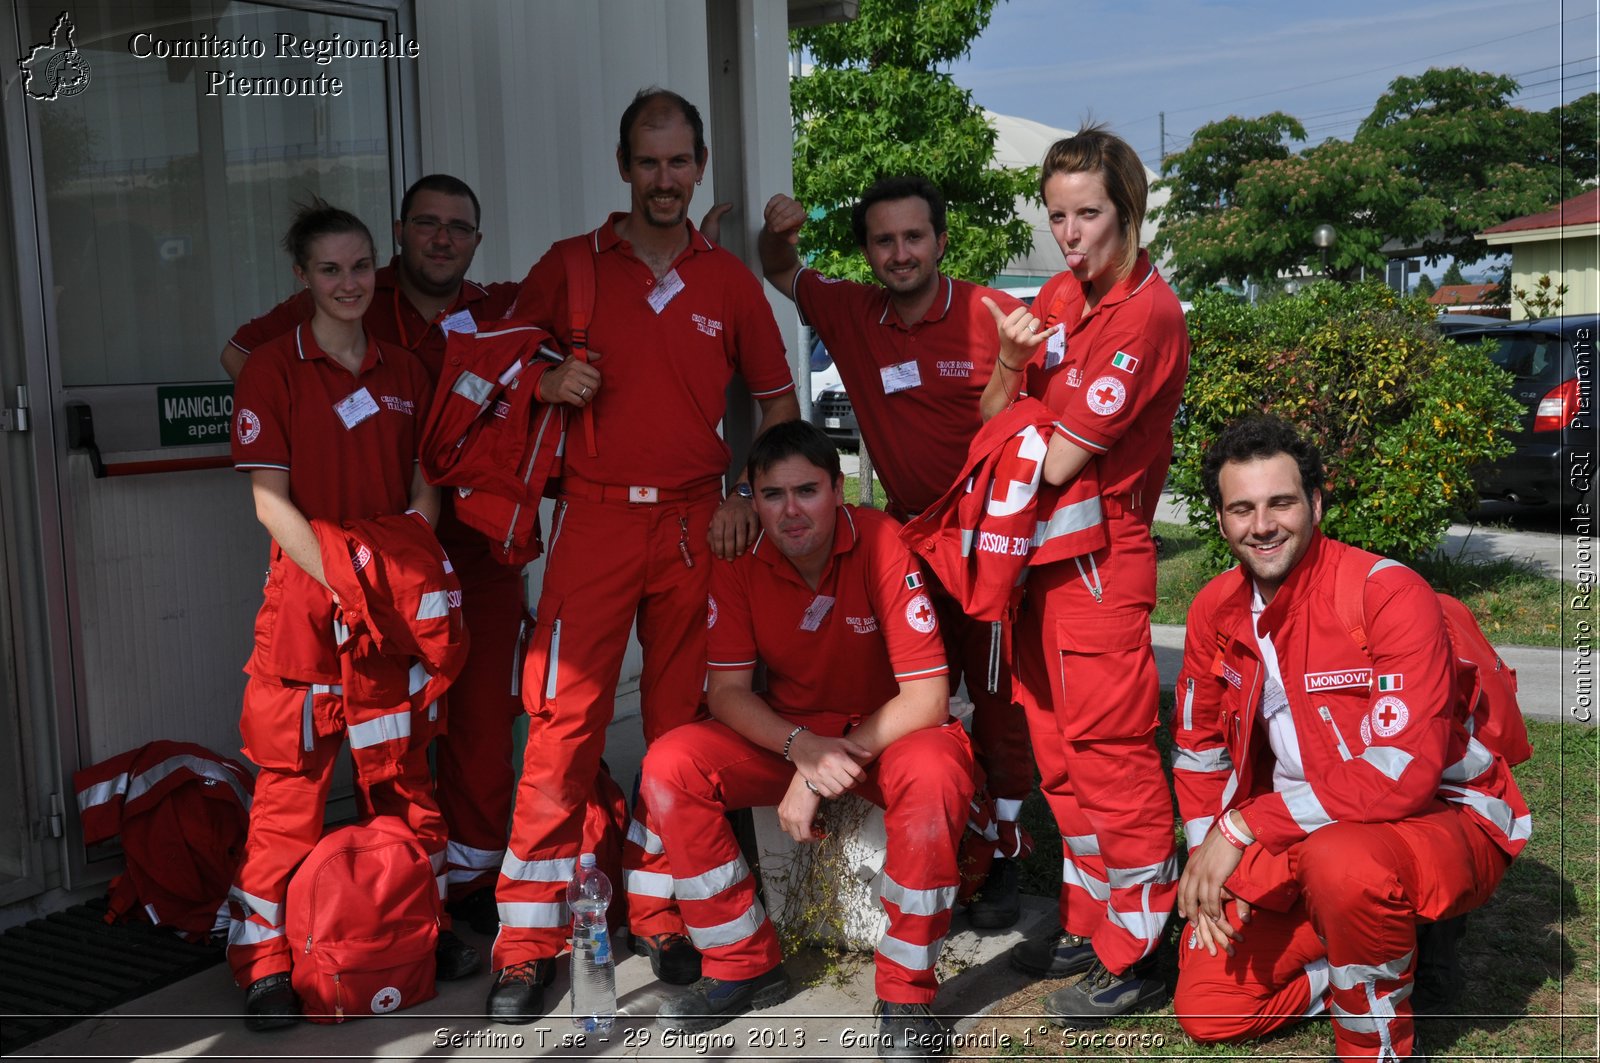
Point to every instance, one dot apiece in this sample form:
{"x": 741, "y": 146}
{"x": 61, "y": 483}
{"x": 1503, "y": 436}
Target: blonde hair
{"x": 1094, "y": 149}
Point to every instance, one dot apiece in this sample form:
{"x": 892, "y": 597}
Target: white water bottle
{"x": 594, "y": 978}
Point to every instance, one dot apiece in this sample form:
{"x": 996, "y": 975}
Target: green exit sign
{"x": 194, "y": 413}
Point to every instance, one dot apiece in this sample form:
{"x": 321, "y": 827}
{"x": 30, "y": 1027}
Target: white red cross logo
{"x": 1389, "y": 716}
{"x": 920, "y": 615}
{"x": 1016, "y": 475}
{"x": 1106, "y": 395}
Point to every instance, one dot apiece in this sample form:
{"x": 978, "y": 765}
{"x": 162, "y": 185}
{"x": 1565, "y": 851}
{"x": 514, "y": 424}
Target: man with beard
{"x": 915, "y": 352}
{"x": 674, "y": 317}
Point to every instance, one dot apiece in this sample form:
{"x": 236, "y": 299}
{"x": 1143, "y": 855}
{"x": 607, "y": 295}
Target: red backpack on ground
{"x": 362, "y": 918}
{"x": 1495, "y": 718}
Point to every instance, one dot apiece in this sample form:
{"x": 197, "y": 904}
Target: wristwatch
{"x": 744, "y": 491}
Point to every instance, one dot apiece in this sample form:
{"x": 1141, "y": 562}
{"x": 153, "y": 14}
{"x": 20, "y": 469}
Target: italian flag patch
{"x": 1391, "y": 682}
{"x": 913, "y": 581}
{"x": 1125, "y": 362}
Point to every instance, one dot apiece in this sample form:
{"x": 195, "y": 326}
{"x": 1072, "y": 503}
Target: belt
{"x": 636, "y": 494}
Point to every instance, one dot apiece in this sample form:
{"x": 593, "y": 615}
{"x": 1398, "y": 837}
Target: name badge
{"x": 902, "y": 377}
{"x": 460, "y": 321}
{"x": 355, "y": 407}
{"x": 665, "y": 290}
{"x": 1055, "y": 348}
{"x": 815, "y": 612}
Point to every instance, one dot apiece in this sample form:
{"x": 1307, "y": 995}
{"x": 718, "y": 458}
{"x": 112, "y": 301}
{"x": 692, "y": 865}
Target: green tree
{"x": 1400, "y": 414}
{"x": 1452, "y": 275}
{"x": 1424, "y": 286}
{"x": 875, "y": 105}
{"x": 1441, "y": 157}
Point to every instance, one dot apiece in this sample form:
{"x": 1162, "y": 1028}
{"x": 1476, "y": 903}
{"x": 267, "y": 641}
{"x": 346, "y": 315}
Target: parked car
{"x": 831, "y": 410}
{"x": 1552, "y": 361}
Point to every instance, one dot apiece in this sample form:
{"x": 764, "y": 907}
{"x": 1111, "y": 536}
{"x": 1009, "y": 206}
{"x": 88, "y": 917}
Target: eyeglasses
{"x": 428, "y": 226}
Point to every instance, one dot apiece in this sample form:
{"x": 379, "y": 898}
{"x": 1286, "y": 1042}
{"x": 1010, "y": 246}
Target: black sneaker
{"x": 270, "y": 1003}
{"x": 1000, "y": 903}
{"x": 454, "y": 958}
{"x": 910, "y": 1031}
{"x": 714, "y": 1001}
{"x": 1101, "y": 995}
{"x": 517, "y": 996}
{"x": 478, "y": 910}
{"x": 673, "y": 957}
{"x": 1055, "y": 956}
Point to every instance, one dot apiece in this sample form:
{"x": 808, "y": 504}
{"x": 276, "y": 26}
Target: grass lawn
{"x": 1529, "y": 955}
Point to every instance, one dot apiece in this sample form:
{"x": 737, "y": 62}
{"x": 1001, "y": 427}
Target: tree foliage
{"x": 875, "y": 105}
{"x": 1400, "y": 414}
{"x": 1442, "y": 156}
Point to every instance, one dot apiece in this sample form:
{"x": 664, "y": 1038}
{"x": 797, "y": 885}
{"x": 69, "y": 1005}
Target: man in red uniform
{"x": 856, "y": 699}
{"x": 1330, "y": 792}
{"x": 674, "y": 318}
{"x": 421, "y": 295}
{"x": 915, "y": 352}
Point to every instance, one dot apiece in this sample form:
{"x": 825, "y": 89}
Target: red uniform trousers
{"x": 286, "y": 817}
{"x": 472, "y": 757}
{"x": 609, "y": 562}
{"x": 1363, "y": 887}
{"x": 1087, "y": 680}
{"x": 999, "y": 727}
{"x": 923, "y": 782}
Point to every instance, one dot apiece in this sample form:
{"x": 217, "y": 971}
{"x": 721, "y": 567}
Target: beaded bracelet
{"x": 789, "y": 742}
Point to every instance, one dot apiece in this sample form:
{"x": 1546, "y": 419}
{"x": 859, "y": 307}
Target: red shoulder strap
{"x": 1349, "y": 591}
{"x": 578, "y": 260}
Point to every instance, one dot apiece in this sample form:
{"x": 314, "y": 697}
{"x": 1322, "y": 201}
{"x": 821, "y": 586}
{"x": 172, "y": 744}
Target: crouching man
{"x": 856, "y": 700}
{"x": 1332, "y": 797}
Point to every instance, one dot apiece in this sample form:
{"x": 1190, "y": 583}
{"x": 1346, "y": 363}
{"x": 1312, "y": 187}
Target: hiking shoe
{"x": 910, "y": 1031}
{"x": 1055, "y": 956}
{"x": 1439, "y": 980}
{"x": 1000, "y": 903}
{"x": 454, "y": 958}
{"x": 270, "y": 1002}
{"x": 714, "y": 1001}
{"x": 1101, "y": 995}
{"x": 517, "y": 996}
{"x": 478, "y": 910}
{"x": 673, "y": 957}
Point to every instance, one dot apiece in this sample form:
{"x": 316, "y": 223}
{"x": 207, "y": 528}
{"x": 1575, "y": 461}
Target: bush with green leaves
{"x": 1400, "y": 414}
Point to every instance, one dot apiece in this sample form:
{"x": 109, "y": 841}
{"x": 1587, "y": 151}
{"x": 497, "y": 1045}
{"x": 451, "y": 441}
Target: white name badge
{"x": 356, "y": 407}
{"x": 460, "y": 321}
{"x": 665, "y": 290}
{"x": 815, "y": 612}
{"x": 900, "y": 377}
{"x": 1055, "y": 348}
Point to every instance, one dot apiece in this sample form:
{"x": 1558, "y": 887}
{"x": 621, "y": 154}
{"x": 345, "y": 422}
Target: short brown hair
{"x": 1095, "y": 149}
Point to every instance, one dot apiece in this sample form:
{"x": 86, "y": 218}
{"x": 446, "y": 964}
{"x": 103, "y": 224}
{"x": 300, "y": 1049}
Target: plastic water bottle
{"x": 594, "y": 978}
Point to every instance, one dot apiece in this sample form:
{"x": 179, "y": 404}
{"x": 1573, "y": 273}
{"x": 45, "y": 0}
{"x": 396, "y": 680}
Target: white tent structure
{"x": 1022, "y": 142}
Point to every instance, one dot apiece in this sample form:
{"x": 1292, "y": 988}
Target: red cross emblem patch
{"x": 1016, "y": 475}
{"x": 385, "y": 999}
{"x": 920, "y": 615}
{"x": 1106, "y": 396}
{"x": 1389, "y": 716}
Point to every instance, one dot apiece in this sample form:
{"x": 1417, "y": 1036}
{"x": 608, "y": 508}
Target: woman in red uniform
{"x": 326, "y": 422}
{"x": 1105, "y": 347}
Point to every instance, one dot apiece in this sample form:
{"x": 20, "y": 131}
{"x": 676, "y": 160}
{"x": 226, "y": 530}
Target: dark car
{"x": 1552, "y": 361}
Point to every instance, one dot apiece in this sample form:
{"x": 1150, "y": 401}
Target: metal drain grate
{"x": 57, "y": 970}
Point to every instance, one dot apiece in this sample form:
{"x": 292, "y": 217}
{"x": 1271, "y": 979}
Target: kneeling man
{"x": 856, "y": 700}
{"x": 1331, "y": 793}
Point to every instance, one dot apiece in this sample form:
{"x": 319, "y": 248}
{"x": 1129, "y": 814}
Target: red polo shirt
{"x": 391, "y": 317}
{"x": 1115, "y": 389}
{"x": 841, "y": 649}
{"x": 287, "y": 416}
{"x": 917, "y": 435}
{"x": 667, "y": 355}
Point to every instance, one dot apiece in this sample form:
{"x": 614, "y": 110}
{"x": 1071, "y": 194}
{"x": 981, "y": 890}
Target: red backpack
{"x": 362, "y": 918}
{"x": 1495, "y": 718}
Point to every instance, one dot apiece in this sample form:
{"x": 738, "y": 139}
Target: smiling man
{"x": 641, "y": 514}
{"x": 915, "y": 352}
{"x": 832, "y": 603}
{"x": 1332, "y": 797}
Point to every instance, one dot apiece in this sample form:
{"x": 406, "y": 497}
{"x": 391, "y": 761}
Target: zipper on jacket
{"x": 557, "y": 522}
{"x": 338, "y": 998}
{"x": 554, "y": 662}
{"x": 527, "y": 474}
{"x": 1344, "y": 750}
{"x": 1188, "y": 704}
{"x": 1095, "y": 586}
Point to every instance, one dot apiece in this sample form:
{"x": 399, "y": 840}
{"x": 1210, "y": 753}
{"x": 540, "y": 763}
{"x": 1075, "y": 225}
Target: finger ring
{"x": 584, "y": 393}
{"x": 812, "y": 788}
{"x": 1033, "y": 327}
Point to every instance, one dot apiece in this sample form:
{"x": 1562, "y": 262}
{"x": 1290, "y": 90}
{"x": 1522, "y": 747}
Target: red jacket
{"x": 1380, "y": 738}
{"x": 998, "y": 518}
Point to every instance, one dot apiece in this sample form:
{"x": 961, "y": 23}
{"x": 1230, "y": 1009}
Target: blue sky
{"x": 1059, "y": 61}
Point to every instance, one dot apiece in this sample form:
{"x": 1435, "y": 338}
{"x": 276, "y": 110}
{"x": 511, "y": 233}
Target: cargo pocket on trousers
{"x": 541, "y": 666}
{"x": 1105, "y": 675}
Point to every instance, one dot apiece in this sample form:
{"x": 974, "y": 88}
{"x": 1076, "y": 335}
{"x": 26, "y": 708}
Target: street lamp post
{"x": 1324, "y": 236}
